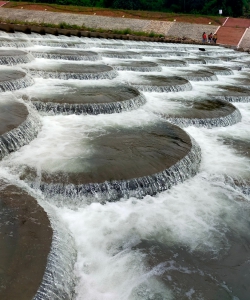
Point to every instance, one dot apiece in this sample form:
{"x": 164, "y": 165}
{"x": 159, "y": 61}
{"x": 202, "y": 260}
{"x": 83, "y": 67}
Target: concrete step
{"x": 230, "y": 35}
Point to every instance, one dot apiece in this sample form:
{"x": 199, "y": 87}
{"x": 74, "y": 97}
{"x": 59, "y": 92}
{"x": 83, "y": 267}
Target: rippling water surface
{"x": 191, "y": 241}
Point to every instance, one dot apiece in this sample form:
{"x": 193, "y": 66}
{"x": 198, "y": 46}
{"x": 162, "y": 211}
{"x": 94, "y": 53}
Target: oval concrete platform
{"x": 68, "y": 98}
{"x": 25, "y": 241}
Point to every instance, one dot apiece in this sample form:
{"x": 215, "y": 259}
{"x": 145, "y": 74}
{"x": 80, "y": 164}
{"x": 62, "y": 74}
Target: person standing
{"x": 204, "y": 37}
{"x": 210, "y": 37}
{"x": 215, "y": 38}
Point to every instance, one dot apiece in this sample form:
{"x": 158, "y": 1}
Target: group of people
{"x": 211, "y": 38}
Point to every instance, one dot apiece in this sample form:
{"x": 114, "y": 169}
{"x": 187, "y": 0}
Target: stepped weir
{"x": 74, "y": 71}
{"x": 18, "y": 125}
{"x": 104, "y": 167}
{"x": 205, "y": 113}
{"x": 163, "y": 156}
{"x": 139, "y": 66}
{"x": 14, "y": 57}
{"x": 92, "y": 99}
{"x": 67, "y": 54}
{"x": 11, "y": 80}
{"x": 161, "y": 84}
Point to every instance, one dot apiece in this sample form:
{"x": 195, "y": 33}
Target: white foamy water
{"x": 199, "y": 215}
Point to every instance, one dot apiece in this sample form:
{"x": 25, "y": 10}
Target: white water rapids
{"x": 199, "y": 215}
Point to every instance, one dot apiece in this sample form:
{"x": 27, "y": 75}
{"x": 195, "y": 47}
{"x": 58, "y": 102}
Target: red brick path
{"x": 232, "y": 22}
{"x": 232, "y": 31}
{"x": 3, "y": 2}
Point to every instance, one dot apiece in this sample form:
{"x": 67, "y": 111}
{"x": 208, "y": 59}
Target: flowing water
{"x": 135, "y": 217}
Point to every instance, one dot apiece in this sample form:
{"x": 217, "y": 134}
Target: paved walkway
{"x": 3, "y": 2}
{"x": 235, "y": 32}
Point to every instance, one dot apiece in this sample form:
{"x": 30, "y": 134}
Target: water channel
{"x": 139, "y": 152}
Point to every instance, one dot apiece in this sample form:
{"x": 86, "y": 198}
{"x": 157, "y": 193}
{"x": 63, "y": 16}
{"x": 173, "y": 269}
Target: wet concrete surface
{"x": 171, "y": 62}
{"x": 159, "y": 80}
{"x": 134, "y": 64}
{"x": 202, "y": 109}
{"x": 10, "y": 75}
{"x": 123, "y": 154}
{"x": 84, "y": 95}
{"x": 65, "y": 54}
{"x": 25, "y": 239}
{"x": 119, "y": 54}
{"x": 72, "y": 68}
{"x": 12, "y": 114}
{"x": 12, "y": 53}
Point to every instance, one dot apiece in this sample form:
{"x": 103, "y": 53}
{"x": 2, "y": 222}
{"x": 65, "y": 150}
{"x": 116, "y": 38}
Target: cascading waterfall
{"x": 161, "y": 89}
{"x": 5, "y": 42}
{"x": 67, "y": 75}
{"x": 59, "y": 280}
{"x": 58, "y": 44}
{"x": 239, "y": 98}
{"x": 93, "y": 109}
{"x": 139, "y": 187}
{"x": 210, "y": 60}
{"x": 237, "y": 183}
{"x": 228, "y": 120}
{"x": 220, "y": 70}
{"x": 137, "y": 69}
{"x": 197, "y": 218}
{"x": 10, "y": 59}
{"x": 20, "y": 136}
{"x": 206, "y": 76}
{"x": 172, "y": 63}
{"x": 16, "y": 83}
{"x": 136, "y": 66}
{"x": 110, "y": 46}
{"x": 195, "y": 61}
{"x": 175, "y": 53}
{"x": 124, "y": 55}
{"x": 153, "y": 54}
{"x": 77, "y": 56}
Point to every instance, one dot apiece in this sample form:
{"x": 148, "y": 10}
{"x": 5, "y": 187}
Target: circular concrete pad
{"x": 13, "y": 57}
{"x": 172, "y": 62}
{"x": 17, "y": 126}
{"x": 154, "y": 83}
{"x": 74, "y": 71}
{"x": 120, "y": 54}
{"x": 195, "y": 61}
{"x": 233, "y": 93}
{"x": 138, "y": 65}
{"x": 19, "y": 43}
{"x": 123, "y": 154}
{"x": 13, "y": 80}
{"x": 153, "y": 53}
{"x": 12, "y": 113}
{"x": 203, "y": 113}
{"x": 219, "y": 70}
{"x": 203, "y": 109}
{"x": 199, "y": 75}
{"x": 66, "y": 54}
{"x": 95, "y": 99}
{"x": 25, "y": 241}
